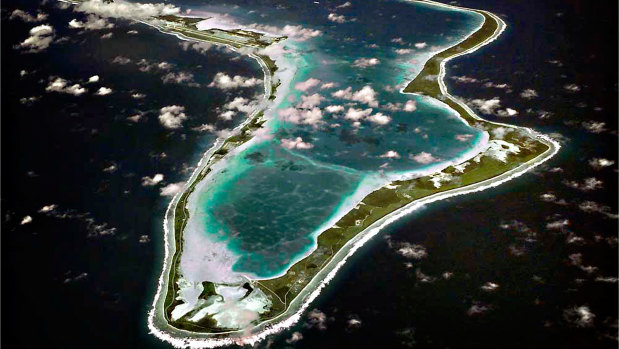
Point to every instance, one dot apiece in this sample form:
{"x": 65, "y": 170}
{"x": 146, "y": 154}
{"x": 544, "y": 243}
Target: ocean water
{"x": 64, "y": 285}
{"x": 271, "y": 201}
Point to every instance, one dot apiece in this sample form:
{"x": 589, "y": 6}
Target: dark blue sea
{"x": 530, "y": 264}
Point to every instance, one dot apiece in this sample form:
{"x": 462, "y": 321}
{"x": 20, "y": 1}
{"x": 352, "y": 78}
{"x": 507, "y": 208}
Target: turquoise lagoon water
{"x": 270, "y": 201}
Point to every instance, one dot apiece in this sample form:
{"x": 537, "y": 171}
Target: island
{"x": 193, "y": 314}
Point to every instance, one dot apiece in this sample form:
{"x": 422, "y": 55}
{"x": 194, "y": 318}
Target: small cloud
{"x": 226, "y": 82}
{"x": 391, "y": 154}
{"x": 93, "y": 22}
{"x": 366, "y": 95}
{"x": 344, "y": 5}
{"x": 464, "y": 79}
{"x": 307, "y": 84}
{"x": 424, "y": 158}
{"x": 403, "y": 51}
{"x": 137, "y": 95}
{"x": 47, "y": 208}
{"x": 379, "y": 118}
{"x": 421, "y": 45}
{"x": 27, "y": 17}
{"x": 464, "y": 137}
{"x": 412, "y": 251}
{"x": 61, "y": 85}
{"x": 121, "y": 60}
{"x": 107, "y": 36}
{"x": 179, "y": 78}
{"x": 172, "y": 116}
{"x": 572, "y": 88}
{"x": 528, "y": 94}
{"x": 365, "y": 62}
{"x": 600, "y": 163}
{"x": 558, "y": 224}
{"x": 152, "y": 181}
{"x": 26, "y": 220}
{"x": 588, "y": 184}
{"x": 580, "y": 316}
{"x": 296, "y": 143}
{"x": 93, "y": 79}
{"x": 594, "y": 126}
{"x": 103, "y": 91}
{"x": 334, "y": 17}
{"x": 317, "y": 319}
{"x": 489, "y": 286}
{"x": 40, "y": 38}
{"x": 171, "y": 189}
{"x": 296, "y": 336}
{"x": 334, "y": 109}
{"x": 144, "y": 239}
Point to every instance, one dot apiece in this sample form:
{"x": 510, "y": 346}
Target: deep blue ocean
{"x": 83, "y": 274}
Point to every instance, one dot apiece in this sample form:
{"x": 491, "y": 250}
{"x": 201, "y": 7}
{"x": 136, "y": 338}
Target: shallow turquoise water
{"x": 271, "y": 200}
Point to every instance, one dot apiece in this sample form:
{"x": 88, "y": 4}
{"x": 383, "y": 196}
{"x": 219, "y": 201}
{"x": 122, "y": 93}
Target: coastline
{"x": 329, "y": 270}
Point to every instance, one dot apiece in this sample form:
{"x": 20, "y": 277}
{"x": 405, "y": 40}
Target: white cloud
{"x": 492, "y": 107}
{"x": 344, "y": 5}
{"x": 62, "y": 86}
{"x": 171, "y": 189}
{"x": 48, "y": 208}
{"x": 227, "y": 115}
{"x": 334, "y": 108}
{"x": 241, "y": 104}
{"x": 201, "y": 47}
{"x": 179, "y": 78}
{"x": 528, "y": 93}
{"x": 27, "y": 17}
{"x": 357, "y": 114}
{"x": 588, "y": 184}
{"x": 293, "y": 32}
{"x": 572, "y": 88}
{"x": 204, "y": 128}
{"x": 137, "y": 95}
{"x": 126, "y": 10}
{"x": 172, "y": 116}
{"x": 306, "y": 117}
{"x": 311, "y": 101}
{"x": 225, "y": 82}
{"x": 403, "y": 51}
{"x": 317, "y": 319}
{"x": 579, "y": 316}
{"x": 558, "y": 225}
{"x": 464, "y": 79}
{"x": 296, "y": 336}
{"x": 334, "y": 17}
{"x": 26, "y": 220}
{"x": 379, "y": 118}
{"x": 421, "y": 45}
{"x": 121, "y": 60}
{"x": 424, "y": 158}
{"x": 412, "y": 251}
{"x": 410, "y": 106}
{"x": 296, "y": 143}
{"x": 328, "y": 85}
{"x": 366, "y": 95}
{"x": 599, "y": 163}
{"x": 107, "y": 36}
{"x": 151, "y": 181}
{"x": 489, "y": 286}
{"x": 40, "y": 38}
{"x": 365, "y": 62}
{"x": 307, "y": 84}
{"x": 594, "y": 126}
{"x": 391, "y": 154}
{"x": 93, "y": 22}
{"x": 398, "y": 40}
{"x": 490, "y": 84}
{"x": 94, "y": 78}
{"x": 103, "y": 91}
